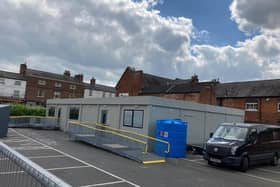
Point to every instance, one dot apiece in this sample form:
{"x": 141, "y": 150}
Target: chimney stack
{"x": 79, "y": 77}
{"x": 195, "y": 79}
{"x": 92, "y": 81}
{"x": 67, "y": 73}
{"x": 23, "y": 68}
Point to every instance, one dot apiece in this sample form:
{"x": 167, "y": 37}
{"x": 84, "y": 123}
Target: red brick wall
{"x": 267, "y": 109}
{"x": 131, "y": 82}
{"x": 207, "y": 95}
{"x": 185, "y": 97}
{"x": 32, "y": 88}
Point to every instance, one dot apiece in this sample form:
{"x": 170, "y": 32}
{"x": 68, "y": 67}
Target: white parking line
{"x": 268, "y": 170}
{"x": 50, "y": 169}
{"x": 194, "y": 160}
{"x": 83, "y": 162}
{"x": 261, "y": 178}
{"x": 104, "y": 184}
{"x": 53, "y": 156}
{"x": 15, "y": 140}
{"x": 72, "y": 167}
{"x": 244, "y": 174}
{"x": 30, "y": 148}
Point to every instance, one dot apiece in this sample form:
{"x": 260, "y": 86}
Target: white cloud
{"x": 252, "y": 15}
{"x": 101, "y": 37}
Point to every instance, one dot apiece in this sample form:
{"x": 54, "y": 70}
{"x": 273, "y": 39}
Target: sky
{"x": 229, "y": 40}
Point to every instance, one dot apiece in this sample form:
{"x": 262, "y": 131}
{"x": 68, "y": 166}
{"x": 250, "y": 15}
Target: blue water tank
{"x": 173, "y": 131}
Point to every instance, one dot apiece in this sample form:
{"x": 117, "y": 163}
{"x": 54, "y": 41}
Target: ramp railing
{"x": 34, "y": 122}
{"x": 18, "y": 171}
{"x": 150, "y": 142}
{"x": 106, "y": 139}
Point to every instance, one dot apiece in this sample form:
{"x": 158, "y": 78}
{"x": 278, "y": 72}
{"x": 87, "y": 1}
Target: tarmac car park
{"x": 81, "y": 164}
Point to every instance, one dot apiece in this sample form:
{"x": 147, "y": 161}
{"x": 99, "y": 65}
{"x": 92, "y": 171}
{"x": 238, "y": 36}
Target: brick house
{"x": 45, "y": 85}
{"x": 135, "y": 82}
{"x": 93, "y": 90}
{"x": 259, "y": 99}
{"x": 12, "y": 87}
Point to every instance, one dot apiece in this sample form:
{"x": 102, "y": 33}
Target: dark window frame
{"x": 49, "y": 109}
{"x": 132, "y": 118}
{"x": 76, "y": 116}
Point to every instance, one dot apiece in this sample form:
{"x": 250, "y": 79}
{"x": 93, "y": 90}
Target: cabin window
{"x": 104, "y": 116}
{"x": 251, "y": 107}
{"x": 133, "y": 118}
{"x": 51, "y": 112}
{"x": 74, "y": 113}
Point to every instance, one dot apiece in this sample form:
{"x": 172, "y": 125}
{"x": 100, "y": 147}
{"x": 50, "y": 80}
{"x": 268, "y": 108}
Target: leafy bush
{"x": 24, "y": 110}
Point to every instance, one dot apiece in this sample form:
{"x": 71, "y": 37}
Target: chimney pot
{"x": 23, "y": 68}
{"x": 67, "y": 73}
{"x": 92, "y": 81}
{"x": 79, "y": 77}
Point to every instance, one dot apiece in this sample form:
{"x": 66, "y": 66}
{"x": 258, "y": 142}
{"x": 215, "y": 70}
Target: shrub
{"x": 24, "y": 110}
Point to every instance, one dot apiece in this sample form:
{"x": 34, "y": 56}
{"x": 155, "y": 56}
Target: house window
{"x": 74, "y": 113}
{"x": 251, "y": 107}
{"x": 133, "y": 118}
{"x": 123, "y": 94}
{"x": 2, "y": 81}
{"x": 41, "y": 93}
{"x": 56, "y": 94}
{"x": 278, "y": 107}
{"x": 42, "y": 82}
{"x": 51, "y": 111}
{"x": 16, "y": 93}
{"x": 73, "y": 87}
{"x": 71, "y": 95}
{"x": 17, "y": 83}
{"x": 57, "y": 85}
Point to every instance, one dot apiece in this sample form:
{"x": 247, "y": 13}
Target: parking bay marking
{"x": 245, "y": 174}
{"x": 81, "y": 161}
{"x": 104, "y": 184}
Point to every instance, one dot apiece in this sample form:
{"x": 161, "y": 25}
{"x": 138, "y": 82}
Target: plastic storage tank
{"x": 175, "y": 132}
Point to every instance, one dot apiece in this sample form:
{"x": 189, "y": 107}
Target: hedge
{"x": 24, "y": 110}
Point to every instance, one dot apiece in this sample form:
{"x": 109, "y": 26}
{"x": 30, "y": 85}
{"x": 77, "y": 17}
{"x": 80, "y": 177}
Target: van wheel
{"x": 275, "y": 160}
{"x": 210, "y": 163}
{"x": 244, "y": 166}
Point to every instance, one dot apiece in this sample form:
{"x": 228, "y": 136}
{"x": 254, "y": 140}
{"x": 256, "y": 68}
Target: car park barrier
{"x": 22, "y": 172}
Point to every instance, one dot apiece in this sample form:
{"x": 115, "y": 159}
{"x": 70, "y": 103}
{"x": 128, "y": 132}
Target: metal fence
{"x": 123, "y": 142}
{"x": 18, "y": 171}
{"x": 34, "y": 122}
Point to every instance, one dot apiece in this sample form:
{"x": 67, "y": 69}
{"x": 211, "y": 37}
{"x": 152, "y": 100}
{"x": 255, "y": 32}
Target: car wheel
{"x": 210, "y": 163}
{"x": 244, "y": 166}
{"x": 275, "y": 160}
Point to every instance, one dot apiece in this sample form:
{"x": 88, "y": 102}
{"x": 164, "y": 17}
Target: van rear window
{"x": 276, "y": 134}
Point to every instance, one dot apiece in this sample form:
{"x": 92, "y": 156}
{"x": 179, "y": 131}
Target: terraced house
{"x": 12, "y": 87}
{"x": 259, "y": 99}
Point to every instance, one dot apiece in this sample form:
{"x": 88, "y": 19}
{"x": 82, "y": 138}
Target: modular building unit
{"x": 140, "y": 114}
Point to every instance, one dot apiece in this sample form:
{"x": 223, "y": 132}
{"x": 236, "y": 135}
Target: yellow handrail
{"x": 112, "y": 132}
{"x": 46, "y": 117}
{"x": 131, "y": 132}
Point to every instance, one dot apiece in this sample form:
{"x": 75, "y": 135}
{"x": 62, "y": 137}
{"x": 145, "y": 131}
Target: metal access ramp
{"x": 129, "y": 144}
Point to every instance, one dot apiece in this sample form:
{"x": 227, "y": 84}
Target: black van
{"x": 242, "y": 144}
